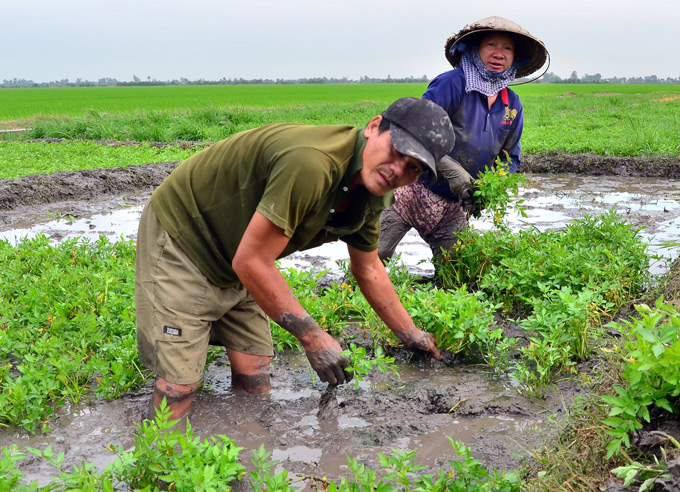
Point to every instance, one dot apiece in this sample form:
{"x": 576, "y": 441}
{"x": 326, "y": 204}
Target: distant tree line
{"x": 551, "y": 78}
{"x": 548, "y": 78}
{"x": 136, "y": 81}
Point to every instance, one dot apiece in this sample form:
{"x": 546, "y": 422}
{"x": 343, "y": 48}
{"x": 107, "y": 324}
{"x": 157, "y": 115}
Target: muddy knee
{"x": 177, "y": 396}
{"x": 250, "y": 373}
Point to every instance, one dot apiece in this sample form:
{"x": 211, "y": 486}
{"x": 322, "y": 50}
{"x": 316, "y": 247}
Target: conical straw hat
{"x": 526, "y": 46}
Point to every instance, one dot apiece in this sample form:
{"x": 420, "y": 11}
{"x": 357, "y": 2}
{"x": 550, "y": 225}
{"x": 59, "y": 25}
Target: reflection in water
{"x": 303, "y": 454}
{"x": 551, "y": 202}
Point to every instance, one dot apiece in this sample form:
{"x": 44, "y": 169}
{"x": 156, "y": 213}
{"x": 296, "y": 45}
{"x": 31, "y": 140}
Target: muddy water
{"x": 551, "y": 202}
{"x": 417, "y": 411}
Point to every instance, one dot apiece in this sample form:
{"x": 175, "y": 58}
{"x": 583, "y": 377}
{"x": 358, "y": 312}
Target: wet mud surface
{"x": 417, "y": 410}
{"x": 428, "y": 402}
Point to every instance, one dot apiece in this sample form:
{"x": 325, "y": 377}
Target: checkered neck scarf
{"x": 481, "y": 79}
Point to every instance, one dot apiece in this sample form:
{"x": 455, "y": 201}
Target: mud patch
{"x": 596, "y": 165}
{"x": 418, "y": 410}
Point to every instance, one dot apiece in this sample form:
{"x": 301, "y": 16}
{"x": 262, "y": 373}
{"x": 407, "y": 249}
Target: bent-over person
{"x": 210, "y": 235}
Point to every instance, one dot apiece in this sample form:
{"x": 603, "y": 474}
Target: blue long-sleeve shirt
{"x": 481, "y": 134}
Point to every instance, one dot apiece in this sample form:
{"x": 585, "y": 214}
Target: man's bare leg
{"x": 178, "y": 397}
{"x": 250, "y": 373}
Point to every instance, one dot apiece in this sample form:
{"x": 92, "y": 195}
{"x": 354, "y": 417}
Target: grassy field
{"x": 607, "y": 119}
{"x": 72, "y": 101}
{"x": 68, "y": 101}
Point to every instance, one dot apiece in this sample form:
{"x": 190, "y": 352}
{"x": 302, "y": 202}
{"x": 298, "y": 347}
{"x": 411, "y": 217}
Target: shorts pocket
{"x": 181, "y": 349}
{"x": 178, "y": 284}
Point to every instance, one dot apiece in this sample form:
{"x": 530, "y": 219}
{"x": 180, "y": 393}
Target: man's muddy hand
{"x": 322, "y": 350}
{"x": 324, "y": 356}
{"x": 422, "y": 341}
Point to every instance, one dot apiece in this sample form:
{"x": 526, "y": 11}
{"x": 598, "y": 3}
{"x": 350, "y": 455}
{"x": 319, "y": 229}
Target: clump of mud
{"x": 89, "y": 184}
{"x": 597, "y": 165}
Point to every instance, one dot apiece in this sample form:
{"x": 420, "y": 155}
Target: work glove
{"x": 473, "y": 205}
{"x": 460, "y": 181}
{"x": 461, "y": 184}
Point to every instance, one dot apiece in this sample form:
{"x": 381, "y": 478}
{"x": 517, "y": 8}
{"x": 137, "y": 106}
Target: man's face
{"x": 384, "y": 168}
{"x": 497, "y": 51}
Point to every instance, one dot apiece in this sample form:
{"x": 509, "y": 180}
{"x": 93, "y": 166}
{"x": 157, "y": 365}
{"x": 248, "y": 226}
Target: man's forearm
{"x": 378, "y": 290}
{"x": 272, "y": 293}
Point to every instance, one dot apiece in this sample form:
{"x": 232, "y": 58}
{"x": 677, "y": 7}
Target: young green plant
{"x": 360, "y": 365}
{"x": 496, "y": 188}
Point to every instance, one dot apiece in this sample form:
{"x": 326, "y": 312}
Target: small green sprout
{"x": 361, "y": 366}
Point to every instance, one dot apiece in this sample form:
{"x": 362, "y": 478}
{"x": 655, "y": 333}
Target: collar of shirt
{"x": 355, "y": 165}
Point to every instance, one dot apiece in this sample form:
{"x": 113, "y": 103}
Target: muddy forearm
{"x": 395, "y": 316}
{"x": 272, "y": 293}
{"x": 377, "y": 287}
{"x": 380, "y": 294}
{"x": 303, "y": 328}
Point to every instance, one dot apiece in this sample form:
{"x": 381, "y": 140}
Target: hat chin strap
{"x": 547, "y": 57}
{"x": 504, "y": 97}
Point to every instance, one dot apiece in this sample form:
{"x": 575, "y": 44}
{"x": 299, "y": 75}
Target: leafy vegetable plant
{"x": 76, "y": 294}
{"x": 361, "y": 365}
{"x": 651, "y": 370}
{"x": 497, "y": 189}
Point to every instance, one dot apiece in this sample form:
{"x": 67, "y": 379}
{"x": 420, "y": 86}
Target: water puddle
{"x": 551, "y": 202}
{"x": 415, "y": 411}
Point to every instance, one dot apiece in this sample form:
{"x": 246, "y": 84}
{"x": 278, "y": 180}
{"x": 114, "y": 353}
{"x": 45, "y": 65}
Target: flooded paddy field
{"x": 551, "y": 202}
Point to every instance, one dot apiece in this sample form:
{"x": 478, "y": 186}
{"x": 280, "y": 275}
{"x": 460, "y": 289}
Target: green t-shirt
{"x": 294, "y": 175}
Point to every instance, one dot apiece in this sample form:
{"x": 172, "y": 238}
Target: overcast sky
{"x": 46, "y": 40}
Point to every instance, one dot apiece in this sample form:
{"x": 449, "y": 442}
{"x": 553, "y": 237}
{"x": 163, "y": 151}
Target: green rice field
{"x": 78, "y": 101}
{"x": 605, "y": 119}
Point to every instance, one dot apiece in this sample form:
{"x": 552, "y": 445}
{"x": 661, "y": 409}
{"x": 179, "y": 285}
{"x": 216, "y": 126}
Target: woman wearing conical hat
{"x": 488, "y": 118}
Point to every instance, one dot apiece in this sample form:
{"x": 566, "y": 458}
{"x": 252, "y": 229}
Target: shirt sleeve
{"x": 446, "y": 90}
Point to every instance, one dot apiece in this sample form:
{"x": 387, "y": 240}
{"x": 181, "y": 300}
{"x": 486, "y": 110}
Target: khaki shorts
{"x": 180, "y": 312}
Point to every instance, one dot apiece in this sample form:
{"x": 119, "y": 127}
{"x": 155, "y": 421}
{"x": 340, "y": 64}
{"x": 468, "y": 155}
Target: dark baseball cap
{"x": 421, "y": 129}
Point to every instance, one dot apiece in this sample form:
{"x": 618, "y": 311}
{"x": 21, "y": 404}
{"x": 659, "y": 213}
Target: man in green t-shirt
{"x": 211, "y": 233}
